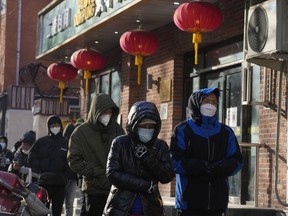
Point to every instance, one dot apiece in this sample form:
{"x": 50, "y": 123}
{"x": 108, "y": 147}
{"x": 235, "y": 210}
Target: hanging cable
{"x": 283, "y": 68}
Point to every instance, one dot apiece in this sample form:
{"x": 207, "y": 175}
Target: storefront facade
{"x": 249, "y": 93}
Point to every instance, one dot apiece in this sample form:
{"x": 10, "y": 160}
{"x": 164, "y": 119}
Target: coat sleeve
{"x": 77, "y": 162}
{"x": 178, "y": 148}
{"x": 159, "y": 162}
{"x": 120, "y": 178}
{"x": 33, "y": 158}
{"x": 233, "y": 160}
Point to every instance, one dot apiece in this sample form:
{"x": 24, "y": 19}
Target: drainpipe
{"x": 278, "y": 133}
{"x": 18, "y": 40}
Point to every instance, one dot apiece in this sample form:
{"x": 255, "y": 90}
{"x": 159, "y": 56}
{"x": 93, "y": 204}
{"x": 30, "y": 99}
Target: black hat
{"x": 29, "y": 137}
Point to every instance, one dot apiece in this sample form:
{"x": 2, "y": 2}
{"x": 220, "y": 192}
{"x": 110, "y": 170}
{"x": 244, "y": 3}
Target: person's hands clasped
{"x": 214, "y": 169}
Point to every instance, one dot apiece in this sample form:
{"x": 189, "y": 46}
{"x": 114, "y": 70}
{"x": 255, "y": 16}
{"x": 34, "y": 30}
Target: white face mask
{"x": 55, "y": 130}
{"x": 3, "y": 146}
{"x": 145, "y": 134}
{"x": 26, "y": 152}
{"x": 208, "y": 110}
{"x": 105, "y": 119}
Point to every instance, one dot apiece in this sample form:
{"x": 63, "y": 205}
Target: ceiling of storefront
{"x": 151, "y": 13}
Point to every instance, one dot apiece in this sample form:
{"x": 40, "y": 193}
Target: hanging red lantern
{"x": 61, "y": 72}
{"x": 139, "y": 43}
{"x": 87, "y": 60}
{"x": 197, "y": 17}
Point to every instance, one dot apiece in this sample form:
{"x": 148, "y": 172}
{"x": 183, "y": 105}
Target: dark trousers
{"x": 56, "y": 195}
{"x": 95, "y": 204}
{"x": 200, "y": 213}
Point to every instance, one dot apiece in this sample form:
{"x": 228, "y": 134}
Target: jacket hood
{"x": 52, "y": 120}
{"x": 139, "y": 111}
{"x": 29, "y": 137}
{"x": 68, "y": 130}
{"x": 195, "y": 101}
{"x": 6, "y": 141}
{"x": 100, "y": 103}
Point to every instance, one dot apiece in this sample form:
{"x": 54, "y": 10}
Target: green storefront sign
{"x": 58, "y": 23}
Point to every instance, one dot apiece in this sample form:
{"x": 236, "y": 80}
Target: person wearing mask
{"x": 205, "y": 153}
{"x": 21, "y": 155}
{"x": 89, "y": 146}
{"x": 48, "y": 157}
{"x": 137, "y": 162}
{"x": 6, "y": 156}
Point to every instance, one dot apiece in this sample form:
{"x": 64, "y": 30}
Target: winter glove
{"x": 221, "y": 169}
{"x": 150, "y": 158}
{"x": 214, "y": 169}
{"x": 195, "y": 167}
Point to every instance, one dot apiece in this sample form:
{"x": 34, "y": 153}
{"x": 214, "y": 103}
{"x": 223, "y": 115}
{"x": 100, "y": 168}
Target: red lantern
{"x": 61, "y": 72}
{"x": 197, "y": 17}
{"x": 87, "y": 60}
{"x": 139, "y": 43}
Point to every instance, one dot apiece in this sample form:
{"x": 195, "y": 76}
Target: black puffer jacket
{"x": 131, "y": 176}
{"x": 49, "y": 155}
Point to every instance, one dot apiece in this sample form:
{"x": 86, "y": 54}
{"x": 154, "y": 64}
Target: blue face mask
{"x": 2, "y": 146}
{"x": 145, "y": 134}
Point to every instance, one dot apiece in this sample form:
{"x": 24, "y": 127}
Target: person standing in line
{"x": 6, "y": 156}
{"x": 48, "y": 157}
{"x": 137, "y": 162}
{"x": 21, "y": 154}
{"x": 79, "y": 121}
{"x": 205, "y": 153}
{"x": 89, "y": 146}
{"x": 72, "y": 179}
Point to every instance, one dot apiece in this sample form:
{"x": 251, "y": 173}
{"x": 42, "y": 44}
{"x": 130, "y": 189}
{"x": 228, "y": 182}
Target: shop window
{"x": 108, "y": 82}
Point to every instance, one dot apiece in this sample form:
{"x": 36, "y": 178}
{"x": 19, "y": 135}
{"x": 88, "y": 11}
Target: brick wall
{"x": 268, "y": 135}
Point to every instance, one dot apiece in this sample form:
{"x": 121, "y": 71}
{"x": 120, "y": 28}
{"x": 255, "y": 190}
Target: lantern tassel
{"x": 87, "y": 76}
{"x": 138, "y": 62}
{"x": 196, "y": 39}
{"x": 61, "y": 87}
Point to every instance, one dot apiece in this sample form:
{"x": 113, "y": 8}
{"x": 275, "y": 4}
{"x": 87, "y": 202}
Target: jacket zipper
{"x": 210, "y": 158}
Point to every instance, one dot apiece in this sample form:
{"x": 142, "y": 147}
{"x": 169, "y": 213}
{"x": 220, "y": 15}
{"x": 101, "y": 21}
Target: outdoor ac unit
{"x": 267, "y": 30}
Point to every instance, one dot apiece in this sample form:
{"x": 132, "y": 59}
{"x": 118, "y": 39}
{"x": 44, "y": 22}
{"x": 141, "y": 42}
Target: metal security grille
{"x": 20, "y": 97}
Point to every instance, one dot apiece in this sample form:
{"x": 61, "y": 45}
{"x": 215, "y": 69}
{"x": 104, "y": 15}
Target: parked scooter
{"x": 20, "y": 198}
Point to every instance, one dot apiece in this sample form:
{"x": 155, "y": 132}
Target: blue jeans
{"x": 70, "y": 192}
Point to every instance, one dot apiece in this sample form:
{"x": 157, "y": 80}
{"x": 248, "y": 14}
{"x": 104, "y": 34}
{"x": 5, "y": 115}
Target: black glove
{"x": 150, "y": 158}
{"x": 223, "y": 168}
{"x": 215, "y": 170}
{"x": 195, "y": 167}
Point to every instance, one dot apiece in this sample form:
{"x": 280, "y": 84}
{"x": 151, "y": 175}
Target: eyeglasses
{"x": 207, "y": 101}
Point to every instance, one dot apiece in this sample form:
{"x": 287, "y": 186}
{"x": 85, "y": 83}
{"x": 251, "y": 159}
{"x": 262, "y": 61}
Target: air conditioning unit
{"x": 267, "y": 30}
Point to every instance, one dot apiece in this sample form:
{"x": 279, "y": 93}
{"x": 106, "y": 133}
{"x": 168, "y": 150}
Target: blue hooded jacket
{"x": 205, "y": 153}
